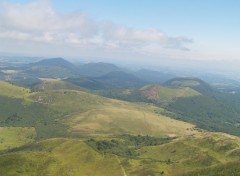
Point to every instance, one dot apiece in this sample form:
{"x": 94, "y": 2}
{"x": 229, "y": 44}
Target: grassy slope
{"x": 191, "y": 154}
{"x": 53, "y": 112}
{"x": 59, "y": 157}
{"x": 68, "y": 102}
{"x": 86, "y": 114}
{"x": 91, "y": 114}
{"x": 185, "y": 83}
{"x": 11, "y": 137}
{"x": 52, "y": 84}
{"x": 188, "y": 103}
{"x": 124, "y": 118}
{"x": 231, "y": 168}
{"x": 208, "y": 113}
{"x": 45, "y": 120}
{"x": 156, "y": 94}
{"x": 165, "y": 94}
{"x": 11, "y": 90}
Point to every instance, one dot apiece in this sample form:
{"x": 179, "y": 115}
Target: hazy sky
{"x": 135, "y": 30}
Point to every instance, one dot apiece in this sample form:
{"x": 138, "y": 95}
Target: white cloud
{"x": 136, "y": 37}
{"x": 37, "y": 22}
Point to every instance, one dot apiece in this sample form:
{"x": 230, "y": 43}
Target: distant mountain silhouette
{"x": 121, "y": 79}
{"x": 153, "y": 76}
{"x": 53, "y": 62}
{"x": 97, "y": 69}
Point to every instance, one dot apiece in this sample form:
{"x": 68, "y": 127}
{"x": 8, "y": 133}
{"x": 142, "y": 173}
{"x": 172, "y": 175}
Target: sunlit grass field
{"x": 12, "y": 137}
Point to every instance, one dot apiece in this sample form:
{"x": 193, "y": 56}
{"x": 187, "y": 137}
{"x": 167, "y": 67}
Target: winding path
{"x": 122, "y": 168}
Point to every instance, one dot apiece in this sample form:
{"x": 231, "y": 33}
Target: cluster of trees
{"x": 112, "y": 146}
{"x": 140, "y": 141}
{"x": 125, "y": 145}
{"x": 13, "y": 118}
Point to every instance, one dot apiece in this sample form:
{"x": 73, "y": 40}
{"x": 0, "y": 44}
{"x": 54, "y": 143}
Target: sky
{"x": 146, "y": 31}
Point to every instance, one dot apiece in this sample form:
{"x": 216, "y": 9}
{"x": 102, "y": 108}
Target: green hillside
{"x": 45, "y": 120}
{"x": 189, "y": 155}
{"x": 205, "y": 150}
{"x": 188, "y": 99}
{"x": 65, "y": 112}
{"x": 162, "y": 94}
{"x": 207, "y": 113}
{"x": 88, "y": 83}
{"x": 59, "y": 157}
{"x": 194, "y": 83}
{"x": 62, "y": 130}
{"x": 117, "y": 118}
{"x": 12, "y": 137}
{"x": 86, "y": 114}
{"x": 183, "y": 82}
{"x": 157, "y": 94}
{"x": 55, "y": 84}
{"x": 213, "y": 110}
{"x": 231, "y": 168}
{"x": 50, "y": 68}
{"x": 10, "y": 90}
